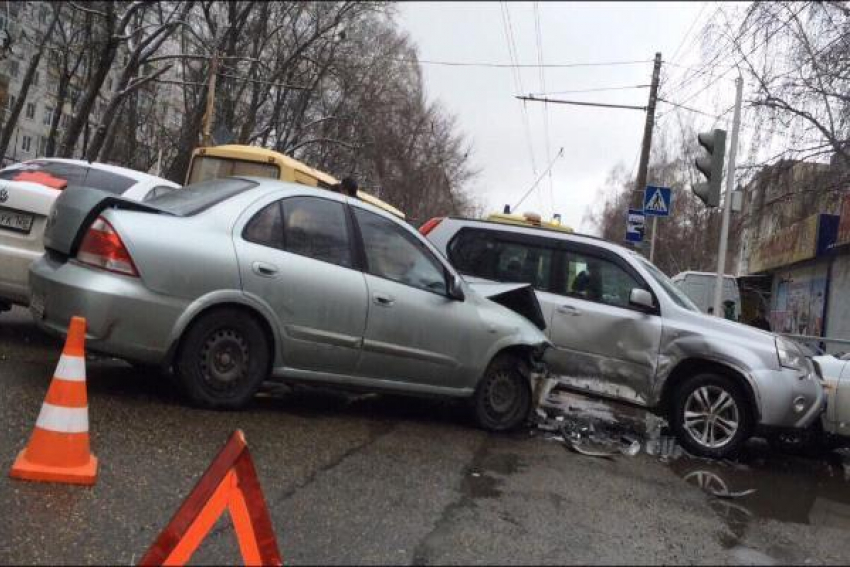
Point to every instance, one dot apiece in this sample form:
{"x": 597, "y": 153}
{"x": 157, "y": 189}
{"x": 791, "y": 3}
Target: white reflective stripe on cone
{"x": 72, "y": 368}
{"x": 63, "y": 420}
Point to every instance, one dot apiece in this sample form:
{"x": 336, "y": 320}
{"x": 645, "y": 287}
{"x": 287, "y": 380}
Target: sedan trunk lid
{"x": 75, "y": 210}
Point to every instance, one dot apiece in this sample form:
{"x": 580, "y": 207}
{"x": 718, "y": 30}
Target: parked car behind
{"x": 699, "y": 287}
{"x": 233, "y": 280}
{"x": 27, "y": 192}
{"x": 835, "y": 372}
{"x": 621, "y": 329}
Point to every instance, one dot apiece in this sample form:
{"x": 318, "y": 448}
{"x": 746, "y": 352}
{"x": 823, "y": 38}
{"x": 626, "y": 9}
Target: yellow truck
{"x": 224, "y": 161}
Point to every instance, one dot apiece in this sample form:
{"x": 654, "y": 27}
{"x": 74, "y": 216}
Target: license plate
{"x": 17, "y": 221}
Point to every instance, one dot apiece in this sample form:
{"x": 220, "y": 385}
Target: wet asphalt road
{"x": 369, "y": 479}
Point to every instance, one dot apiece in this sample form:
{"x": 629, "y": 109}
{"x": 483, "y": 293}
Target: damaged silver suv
{"x": 622, "y": 329}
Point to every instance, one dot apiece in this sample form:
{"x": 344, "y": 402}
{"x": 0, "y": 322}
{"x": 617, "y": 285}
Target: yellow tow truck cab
{"x": 529, "y": 219}
{"x": 214, "y": 162}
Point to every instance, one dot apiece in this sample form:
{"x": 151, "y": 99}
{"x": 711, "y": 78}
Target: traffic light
{"x": 711, "y": 166}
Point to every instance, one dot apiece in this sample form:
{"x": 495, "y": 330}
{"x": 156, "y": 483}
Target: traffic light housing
{"x": 711, "y": 166}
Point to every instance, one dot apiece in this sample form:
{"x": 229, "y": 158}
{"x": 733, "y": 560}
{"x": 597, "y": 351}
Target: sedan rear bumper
{"x": 123, "y": 318}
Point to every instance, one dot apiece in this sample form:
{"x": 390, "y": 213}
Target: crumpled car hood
{"x": 518, "y": 297}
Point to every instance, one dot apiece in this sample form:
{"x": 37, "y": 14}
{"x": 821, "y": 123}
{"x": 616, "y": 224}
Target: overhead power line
{"x": 581, "y": 103}
{"x": 517, "y": 75}
{"x": 593, "y": 90}
{"x": 519, "y": 65}
{"x": 696, "y": 110}
{"x": 530, "y": 189}
{"x": 687, "y": 33}
{"x": 542, "y": 73}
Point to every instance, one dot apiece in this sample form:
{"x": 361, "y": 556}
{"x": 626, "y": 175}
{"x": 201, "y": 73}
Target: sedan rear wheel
{"x": 502, "y": 400}
{"x": 223, "y": 359}
{"x": 711, "y": 415}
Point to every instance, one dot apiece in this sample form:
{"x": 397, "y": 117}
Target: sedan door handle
{"x": 264, "y": 269}
{"x": 569, "y": 310}
{"x": 383, "y": 299}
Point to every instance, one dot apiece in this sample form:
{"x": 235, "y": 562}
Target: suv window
{"x": 499, "y": 258}
{"x": 595, "y": 279}
{"x": 394, "y": 254}
{"x": 316, "y": 228}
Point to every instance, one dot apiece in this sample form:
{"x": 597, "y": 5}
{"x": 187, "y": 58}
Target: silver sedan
{"x": 231, "y": 281}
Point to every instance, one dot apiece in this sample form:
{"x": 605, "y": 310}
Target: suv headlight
{"x": 790, "y": 355}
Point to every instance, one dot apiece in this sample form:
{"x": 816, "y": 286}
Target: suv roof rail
{"x": 532, "y": 227}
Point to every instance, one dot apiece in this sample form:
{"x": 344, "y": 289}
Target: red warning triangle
{"x": 230, "y": 483}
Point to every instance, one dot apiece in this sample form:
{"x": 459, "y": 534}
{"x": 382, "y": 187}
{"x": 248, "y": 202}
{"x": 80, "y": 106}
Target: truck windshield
{"x": 676, "y": 294}
{"x": 204, "y": 168}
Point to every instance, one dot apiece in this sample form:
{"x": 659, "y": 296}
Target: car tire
{"x": 719, "y": 417}
{"x": 502, "y": 399}
{"x": 222, "y": 360}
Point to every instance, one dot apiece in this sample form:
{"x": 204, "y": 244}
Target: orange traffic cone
{"x": 58, "y": 450}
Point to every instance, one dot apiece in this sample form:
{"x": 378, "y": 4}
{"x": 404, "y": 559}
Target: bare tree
{"x": 12, "y": 120}
{"x": 146, "y": 36}
{"x": 112, "y": 19}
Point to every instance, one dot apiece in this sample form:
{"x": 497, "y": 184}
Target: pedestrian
{"x": 760, "y": 321}
{"x": 348, "y": 186}
{"x": 729, "y": 309}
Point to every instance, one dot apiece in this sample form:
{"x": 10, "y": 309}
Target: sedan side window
{"x": 317, "y": 228}
{"x": 594, "y": 279}
{"x": 266, "y": 227}
{"x": 393, "y": 254}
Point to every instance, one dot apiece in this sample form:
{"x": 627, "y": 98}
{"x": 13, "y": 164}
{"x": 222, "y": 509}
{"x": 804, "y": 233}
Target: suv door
{"x": 297, "y": 255}
{"x": 602, "y": 343}
{"x": 415, "y": 332}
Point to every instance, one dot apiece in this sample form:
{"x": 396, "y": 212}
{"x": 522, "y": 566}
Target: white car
{"x": 835, "y": 372}
{"x": 27, "y": 192}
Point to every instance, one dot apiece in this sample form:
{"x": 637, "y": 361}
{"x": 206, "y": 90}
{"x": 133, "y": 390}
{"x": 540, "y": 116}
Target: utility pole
{"x": 727, "y": 199}
{"x": 640, "y": 183}
{"x": 209, "y": 115}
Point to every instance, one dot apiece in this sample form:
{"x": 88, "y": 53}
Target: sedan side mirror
{"x": 456, "y": 288}
{"x": 641, "y": 298}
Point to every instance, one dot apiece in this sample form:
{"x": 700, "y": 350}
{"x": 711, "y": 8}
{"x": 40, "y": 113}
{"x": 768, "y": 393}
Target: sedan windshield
{"x": 676, "y": 294}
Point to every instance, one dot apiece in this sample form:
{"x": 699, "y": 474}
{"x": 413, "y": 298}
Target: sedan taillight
{"x": 102, "y": 247}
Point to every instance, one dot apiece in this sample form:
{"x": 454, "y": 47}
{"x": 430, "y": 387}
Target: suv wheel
{"x": 223, "y": 359}
{"x": 502, "y": 400}
{"x": 710, "y": 415}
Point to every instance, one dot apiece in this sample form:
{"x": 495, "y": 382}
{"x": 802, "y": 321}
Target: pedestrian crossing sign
{"x": 656, "y": 201}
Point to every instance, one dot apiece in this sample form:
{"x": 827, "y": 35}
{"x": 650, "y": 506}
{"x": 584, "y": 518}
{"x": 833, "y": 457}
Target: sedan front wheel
{"x": 502, "y": 400}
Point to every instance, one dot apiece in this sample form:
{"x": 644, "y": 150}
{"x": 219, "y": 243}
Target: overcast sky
{"x": 482, "y": 99}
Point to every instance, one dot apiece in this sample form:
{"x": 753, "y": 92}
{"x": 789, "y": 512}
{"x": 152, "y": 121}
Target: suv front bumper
{"x": 788, "y": 401}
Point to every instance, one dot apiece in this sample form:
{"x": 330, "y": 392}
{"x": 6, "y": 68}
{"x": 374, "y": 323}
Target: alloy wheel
{"x": 711, "y": 416}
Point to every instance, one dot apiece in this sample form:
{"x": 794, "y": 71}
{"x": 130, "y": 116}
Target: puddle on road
{"x": 759, "y": 483}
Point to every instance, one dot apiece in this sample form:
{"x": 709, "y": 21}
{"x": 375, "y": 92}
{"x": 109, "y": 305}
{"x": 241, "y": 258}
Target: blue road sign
{"x": 634, "y": 226}
{"x": 656, "y": 201}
